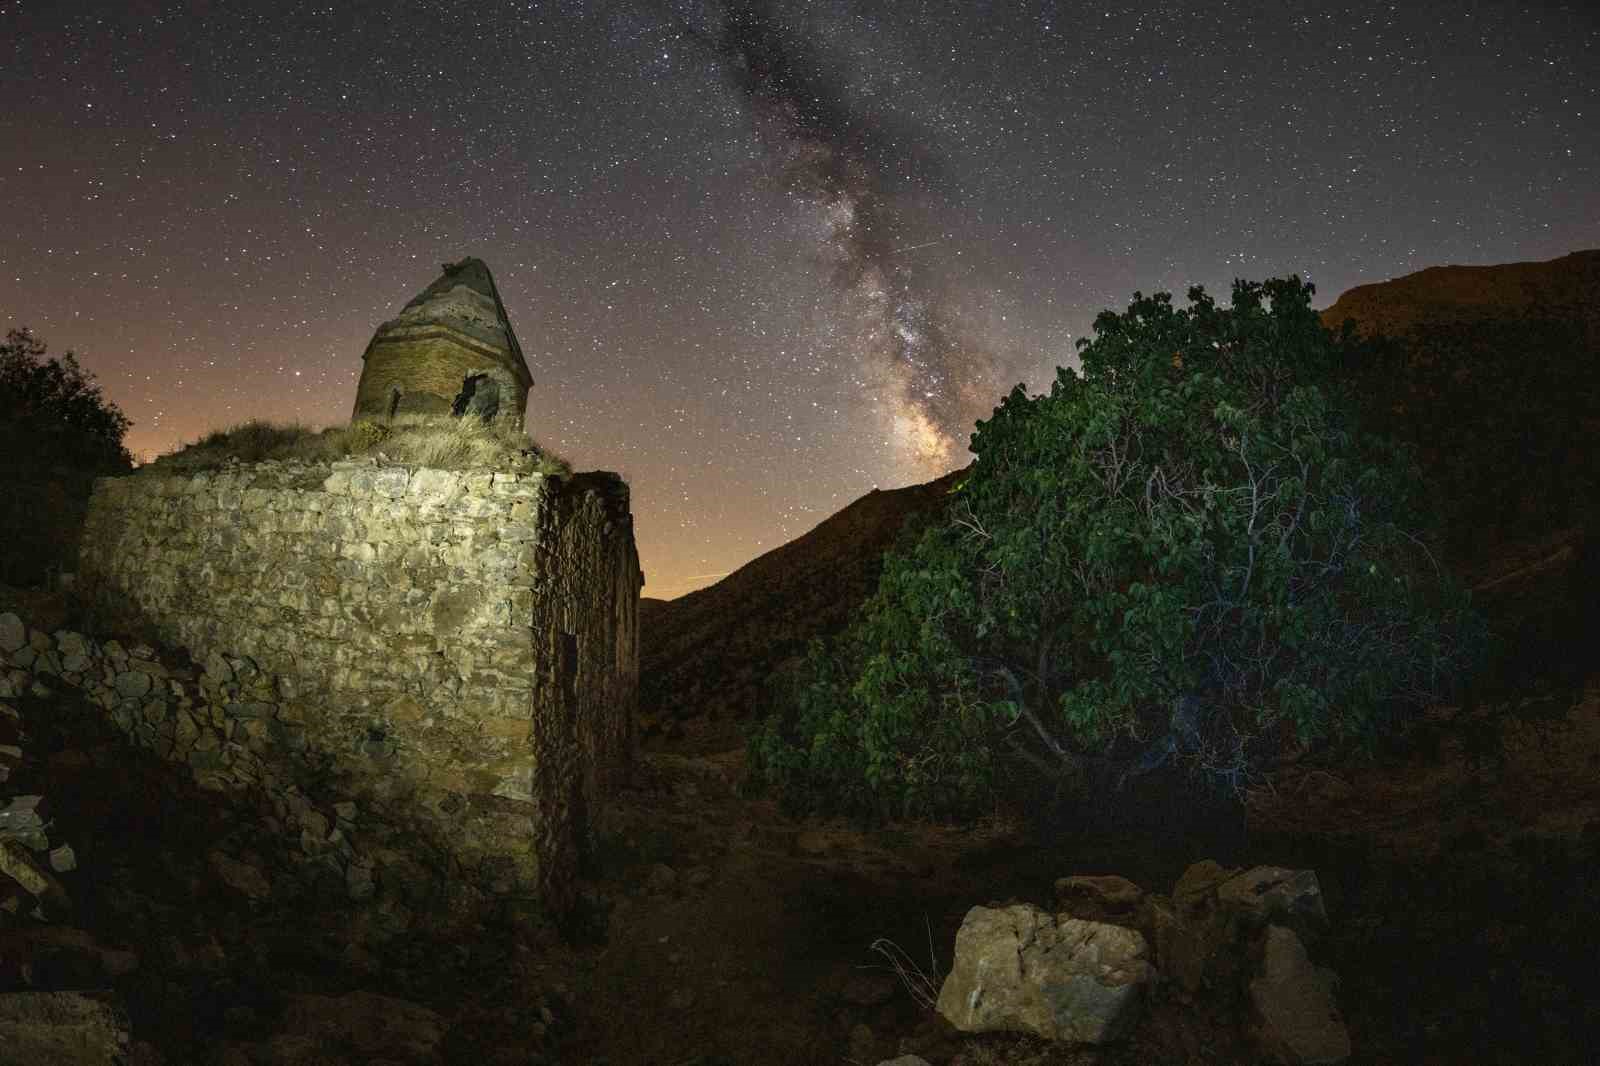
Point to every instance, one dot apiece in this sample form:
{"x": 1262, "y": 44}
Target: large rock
{"x": 18, "y": 866}
{"x": 1020, "y": 969}
{"x": 1106, "y": 898}
{"x": 1265, "y": 894}
{"x": 240, "y": 876}
{"x": 1294, "y": 1004}
{"x": 62, "y": 1029}
{"x": 1202, "y": 934}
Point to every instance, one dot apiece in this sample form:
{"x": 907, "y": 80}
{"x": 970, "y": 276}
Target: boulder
{"x": 1020, "y": 969}
{"x": 1266, "y": 894}
{"x": 1103, "y": 899}
{"x": 17, "y": 865}
{"x": 1190, "y": 930}
{"x": 1295, "y": 1009}
{"x": 133, "y": 685}
{"x": 62, "y": 1028}
{"x": 1204, "y": 933}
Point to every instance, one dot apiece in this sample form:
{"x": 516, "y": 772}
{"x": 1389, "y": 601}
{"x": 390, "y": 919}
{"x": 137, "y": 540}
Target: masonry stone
{"x": 450, "y": 352}
{"x": 438, "y": 657}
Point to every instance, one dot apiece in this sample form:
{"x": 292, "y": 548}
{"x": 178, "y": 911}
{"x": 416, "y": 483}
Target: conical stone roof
{"x": 450, "y": 349}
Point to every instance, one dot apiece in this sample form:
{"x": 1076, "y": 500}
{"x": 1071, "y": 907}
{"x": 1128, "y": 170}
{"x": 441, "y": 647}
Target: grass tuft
{"x": 922, "y": 984}
{"x": 412, "y": 440}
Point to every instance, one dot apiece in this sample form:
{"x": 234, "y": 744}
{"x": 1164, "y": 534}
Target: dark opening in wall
{"x": 394, "y": 401}
{"x": 479, "y": 395}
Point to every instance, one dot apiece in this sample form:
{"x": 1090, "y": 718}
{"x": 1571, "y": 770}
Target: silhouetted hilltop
{"x": 1564, "y": 287}
{"x": 712, "y": 651}
{"x": 1490, "y": 371}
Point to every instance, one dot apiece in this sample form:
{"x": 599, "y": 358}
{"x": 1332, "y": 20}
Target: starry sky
{"x": 761, "y": 256}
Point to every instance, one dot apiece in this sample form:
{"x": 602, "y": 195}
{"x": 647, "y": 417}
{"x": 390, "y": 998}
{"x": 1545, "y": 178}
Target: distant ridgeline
{"x": 1493, "y": 377}
{"x": 454, "y": 650}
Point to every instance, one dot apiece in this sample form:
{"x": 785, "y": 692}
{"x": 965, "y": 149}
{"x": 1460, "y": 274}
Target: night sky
{"x": 761, "y": 257}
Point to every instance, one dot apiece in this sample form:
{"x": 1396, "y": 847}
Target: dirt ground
{"x": 1459, "y": 873}
{"x": 1457, "y": 877}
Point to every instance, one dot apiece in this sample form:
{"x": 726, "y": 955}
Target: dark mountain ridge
{"x": 711, "y": 653}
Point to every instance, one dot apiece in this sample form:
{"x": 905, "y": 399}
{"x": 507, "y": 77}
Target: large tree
{"x": 1190, "y": 552}
{"x": 56, "y": 397}
{"x": 57, "y": 433}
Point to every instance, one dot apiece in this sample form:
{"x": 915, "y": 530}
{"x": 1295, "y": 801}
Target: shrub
{"x": 56, "y": 405}
{"x": 58, "y": 433}
{"x": 1190, "y": 552}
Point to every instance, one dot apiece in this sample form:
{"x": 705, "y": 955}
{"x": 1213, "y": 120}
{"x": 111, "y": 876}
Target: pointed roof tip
{"x": 473, "y": 273}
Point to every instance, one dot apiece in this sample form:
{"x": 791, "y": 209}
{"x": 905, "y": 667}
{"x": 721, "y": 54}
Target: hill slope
{"x": 1566, "y": 287}
{"x": 1491, "y": 374}
{"x": 710, "y": 653}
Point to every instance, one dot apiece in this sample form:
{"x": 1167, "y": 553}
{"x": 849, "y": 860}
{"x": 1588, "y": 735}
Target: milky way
{"x": 857, "y": 169}
{"x": 762, "y": 256}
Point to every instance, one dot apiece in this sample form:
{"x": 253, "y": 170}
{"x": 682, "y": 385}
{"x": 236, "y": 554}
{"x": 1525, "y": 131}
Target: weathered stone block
{"x": 1019, "y": 969}
{"x": 1298, "y": 1016}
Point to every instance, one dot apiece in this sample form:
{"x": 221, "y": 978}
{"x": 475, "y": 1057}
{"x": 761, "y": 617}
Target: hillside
{"x": 1490, "y": 372}
{"x": 709, "y": 654}
{"x": 1567, "y": 287}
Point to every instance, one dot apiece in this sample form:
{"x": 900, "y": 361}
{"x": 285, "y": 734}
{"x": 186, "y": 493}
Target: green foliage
{"x": 1191, "y": 551}
{"x": 56, "y": 406}
{"x": 57, "y": 433}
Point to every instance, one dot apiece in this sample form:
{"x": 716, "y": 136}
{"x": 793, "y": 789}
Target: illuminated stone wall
{"x": 456, "y": 652}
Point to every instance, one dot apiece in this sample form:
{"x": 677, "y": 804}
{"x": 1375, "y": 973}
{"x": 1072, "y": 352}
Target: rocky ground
{"x": 1458, "y": 871}
{"x": 1457, "y": 876}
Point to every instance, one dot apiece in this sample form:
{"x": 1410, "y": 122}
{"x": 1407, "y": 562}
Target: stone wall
{"x": 456, "y": 651}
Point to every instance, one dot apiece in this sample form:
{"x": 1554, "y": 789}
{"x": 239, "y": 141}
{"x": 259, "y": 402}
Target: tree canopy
{"x": 57, "y": 433}
{"x": 57, "y": 404}
{"x": 1188, "y": 553}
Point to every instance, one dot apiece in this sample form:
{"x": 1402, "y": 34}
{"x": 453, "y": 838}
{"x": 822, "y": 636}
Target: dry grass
{"x": 411, "y": 440}
{"x": 923, "y": 984}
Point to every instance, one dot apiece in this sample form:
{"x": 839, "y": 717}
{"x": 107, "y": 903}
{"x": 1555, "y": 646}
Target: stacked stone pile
{"x": 224, "y": 722}
{"x": 69, "y": 1026}
{"x": 1083, "y": 972}
{"x": 65, "y": 995}
{"x": 28, "y": 859}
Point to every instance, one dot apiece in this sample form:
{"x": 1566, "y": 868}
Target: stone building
{"x": 451, "y": 350}
{"x": 448, "y": 657}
